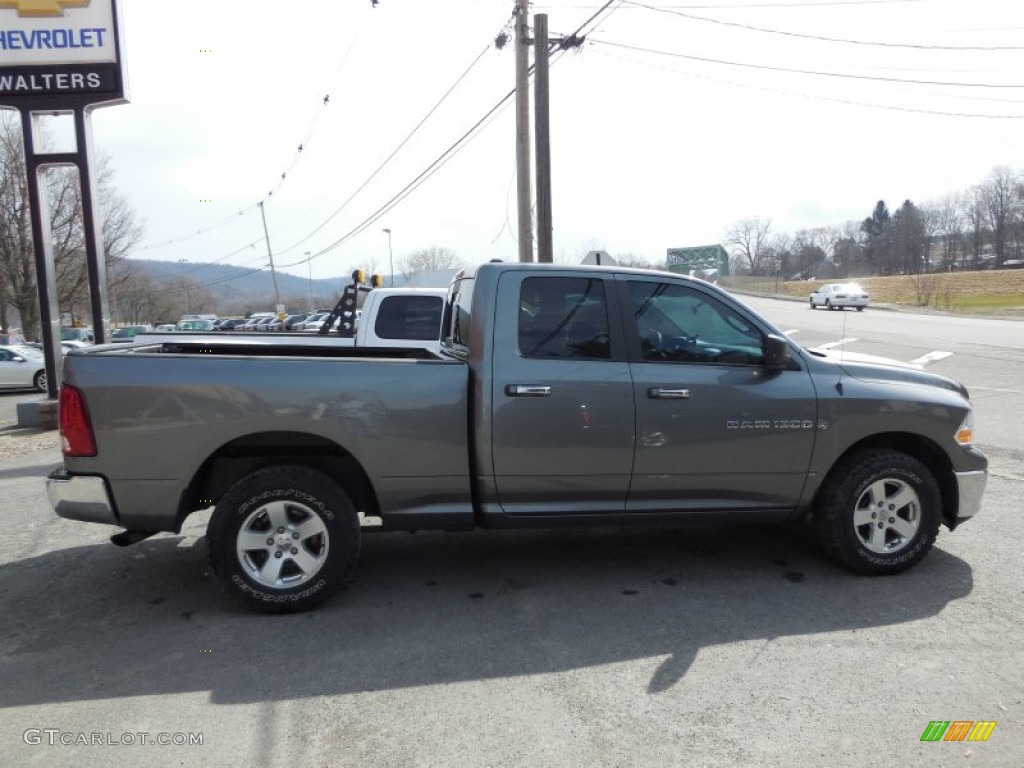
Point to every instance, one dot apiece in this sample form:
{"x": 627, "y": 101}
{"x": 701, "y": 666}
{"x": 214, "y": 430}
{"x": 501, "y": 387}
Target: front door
{"x": 715, "y": 429}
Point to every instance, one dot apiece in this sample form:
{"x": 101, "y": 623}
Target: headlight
{"x": 965, "y": 434}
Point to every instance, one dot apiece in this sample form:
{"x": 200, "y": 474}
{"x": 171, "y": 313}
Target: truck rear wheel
{"x": 284, "y": 539}
{"x": 878, "y": 512}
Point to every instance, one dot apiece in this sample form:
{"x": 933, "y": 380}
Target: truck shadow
{"x": 96, "y": 622}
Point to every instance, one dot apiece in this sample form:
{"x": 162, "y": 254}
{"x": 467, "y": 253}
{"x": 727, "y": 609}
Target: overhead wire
{"x": 297, "y": 154}
{"x": 833, "y": 99}
{"x": 793, "y": 70}
{"x": 822, "y": 38}
{"x": 432, "y": 168}
{"x": 445, "y": 156}
{"x": 384, "y": 163}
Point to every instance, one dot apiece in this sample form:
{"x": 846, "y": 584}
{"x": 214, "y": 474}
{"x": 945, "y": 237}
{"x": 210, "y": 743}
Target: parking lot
{"x": 607, "y": 647}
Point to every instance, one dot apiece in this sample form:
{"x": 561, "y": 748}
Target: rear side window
{"x": 563, "y": 317}
{"x": 417, "y": 318}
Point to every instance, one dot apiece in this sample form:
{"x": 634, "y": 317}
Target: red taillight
{"x": 75, "y": 427}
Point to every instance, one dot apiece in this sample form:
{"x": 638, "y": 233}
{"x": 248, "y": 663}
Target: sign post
{"x": 61, "y": 57}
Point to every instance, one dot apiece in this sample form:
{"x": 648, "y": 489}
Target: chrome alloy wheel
{"x": 282, "y": 544}
{"x": 887, "y": 516}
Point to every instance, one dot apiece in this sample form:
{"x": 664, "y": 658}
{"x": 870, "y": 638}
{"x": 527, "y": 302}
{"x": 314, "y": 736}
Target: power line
{"x": 394, "y": 152}
{"x": 822, "y": 38}
{"x": 822, "y": 4}
{"x": 297, "y": 154}
{"x": 832, "y": 99}
{"x": 771, "y": 68}
{"x": 432, "y": 168}
{"x": 437, "y": 163}
{"x": 445, "y": 156}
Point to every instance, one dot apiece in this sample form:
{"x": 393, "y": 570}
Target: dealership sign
{"x": 59, "y": 51}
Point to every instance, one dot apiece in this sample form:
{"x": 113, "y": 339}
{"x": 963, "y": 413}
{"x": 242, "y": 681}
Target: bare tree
{"x": 429, "y": 260}
{"x": 120, "y": 230}
{"x": 637, "y": 262}
{"x": 974, "y": 210}
{"x": 947, "y": 223}
{"x": 749, "y": 244}
{"x": 1002, "y": 206}
{"x": 136, "y": 298}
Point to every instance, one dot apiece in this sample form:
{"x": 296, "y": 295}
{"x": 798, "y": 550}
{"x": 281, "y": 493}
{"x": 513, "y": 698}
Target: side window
{"x": 563, "y": 317}
{"x": 460, "y": 304}
{"x": 678, "y": 324}
{"x": 409, "y": 317}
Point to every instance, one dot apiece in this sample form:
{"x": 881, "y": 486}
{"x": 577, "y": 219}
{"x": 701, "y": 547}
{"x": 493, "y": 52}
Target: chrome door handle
{"x": 661, "y": 393}
{"x": 526, "y": 390}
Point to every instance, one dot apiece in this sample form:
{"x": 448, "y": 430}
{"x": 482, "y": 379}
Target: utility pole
{"x": 542, "y": 137}
{"x": 523, "y": 191}
{"x": 273, "y": 272}
{"x": 309, "y": 263}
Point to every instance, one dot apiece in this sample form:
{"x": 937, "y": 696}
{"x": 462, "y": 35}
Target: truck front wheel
{"x": 878, "y": 512}
{"x": 284, "y": 539}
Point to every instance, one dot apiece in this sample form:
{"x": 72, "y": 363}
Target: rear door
{"x": 562, "y": 398}
{"x": 716, "y": 431}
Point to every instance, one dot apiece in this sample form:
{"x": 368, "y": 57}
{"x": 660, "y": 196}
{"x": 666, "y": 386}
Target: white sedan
{"x": 839, "y": 296}
{"x": 22, "y": 367}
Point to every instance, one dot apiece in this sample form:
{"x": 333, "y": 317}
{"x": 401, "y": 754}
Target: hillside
{"x": 240, "y": 286}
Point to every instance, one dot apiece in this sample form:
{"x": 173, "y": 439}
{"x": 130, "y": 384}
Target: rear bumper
{"x": 80, "y": 497}
{"x": 971, "y": 488}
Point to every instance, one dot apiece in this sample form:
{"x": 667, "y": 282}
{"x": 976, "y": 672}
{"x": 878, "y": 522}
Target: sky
{"x": 673, "y": 121}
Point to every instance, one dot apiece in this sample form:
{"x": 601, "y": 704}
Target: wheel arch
{"x": 248, "y": 453}
{"x": 919, "y": 447}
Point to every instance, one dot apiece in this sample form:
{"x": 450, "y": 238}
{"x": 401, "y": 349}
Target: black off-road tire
{"x": 852, "y": 493}
{"x": 307, "y": 523}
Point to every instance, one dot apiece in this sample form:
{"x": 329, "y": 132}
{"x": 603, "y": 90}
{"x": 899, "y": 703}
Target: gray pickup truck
{"x": 561, "y": 396}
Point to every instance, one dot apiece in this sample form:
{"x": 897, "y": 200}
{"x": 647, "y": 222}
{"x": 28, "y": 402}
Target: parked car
{"x": 254, "y": 319}
{"x": 229, "y": 324}
{"x": 127, "y": 333}
{"x": 194, "y": 325}
{"x": 840, "y": 296}
{"x": 78, "y": 334}
{"x": 310, "y": 319}
{"x": 164, "y": 327}
{"x": 22, "y": 367}
{"x": 292, "y": 320}
{"x": 314, "y": 326}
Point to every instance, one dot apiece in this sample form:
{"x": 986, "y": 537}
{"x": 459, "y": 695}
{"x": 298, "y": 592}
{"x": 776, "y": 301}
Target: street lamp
{"x": 309, "y": 263}
{"x": 391, "y": 257}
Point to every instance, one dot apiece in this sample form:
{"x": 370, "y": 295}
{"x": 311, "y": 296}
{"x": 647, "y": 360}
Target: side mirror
{"x": 18, "y": 359}
{"x": 776, "y": 353}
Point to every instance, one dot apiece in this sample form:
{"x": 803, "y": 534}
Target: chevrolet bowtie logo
{"x": 42, "y": 7}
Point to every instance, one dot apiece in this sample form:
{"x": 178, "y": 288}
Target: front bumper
{"x": 971, "y": 487}
{"x": 80, "y": 497}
